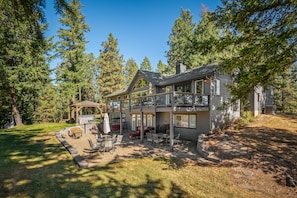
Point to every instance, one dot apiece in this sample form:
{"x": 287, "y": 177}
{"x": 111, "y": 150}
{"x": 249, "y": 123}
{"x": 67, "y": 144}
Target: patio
{"x": 131, "y": 148}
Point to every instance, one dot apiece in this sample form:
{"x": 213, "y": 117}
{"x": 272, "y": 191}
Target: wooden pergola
{"x": 80, "y": 105}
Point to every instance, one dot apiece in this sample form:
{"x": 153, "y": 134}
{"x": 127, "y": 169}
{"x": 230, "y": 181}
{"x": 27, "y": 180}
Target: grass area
{"x": 34, "y": 164}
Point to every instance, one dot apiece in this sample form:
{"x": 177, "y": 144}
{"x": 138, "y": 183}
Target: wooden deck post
{"x": 171, "y": 130}
{"x": 141, "y": 127}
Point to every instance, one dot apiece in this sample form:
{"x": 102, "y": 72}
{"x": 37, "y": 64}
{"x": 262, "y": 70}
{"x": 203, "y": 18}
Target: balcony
{"x": 162, "y": 100}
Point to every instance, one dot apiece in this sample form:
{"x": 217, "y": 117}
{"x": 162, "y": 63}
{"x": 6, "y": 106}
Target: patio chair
{"x": 119, "y": 140}
{"x": 176, "y": 140}
{"x": 149, "y": 137}
{"x": 114, "y": 137}
{"x": 156, "y": 138}
{"x": 94, "y": 147}
{"x": 108, "y": 145}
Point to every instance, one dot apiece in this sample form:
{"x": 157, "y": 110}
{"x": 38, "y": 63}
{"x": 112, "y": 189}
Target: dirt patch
{"x": 267, "y": 148}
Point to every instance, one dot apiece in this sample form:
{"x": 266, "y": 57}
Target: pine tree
{"x": 23, "y": 69}
{"x": 206, "y": 36}
{"x": 130, "y": 70}
{"x": 180, "y": 41}
{"x": 110, "y": 64}
{"x": 88, "y": 90}
{"x": 285, "y": 94}
{"x": 161, "y": 67}
{"x": 71, "y": 74}
{"x": 146, "y": 64}
{"x": 46, "y": 110}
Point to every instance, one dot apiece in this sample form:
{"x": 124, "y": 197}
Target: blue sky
{"x": 142, "y": 27}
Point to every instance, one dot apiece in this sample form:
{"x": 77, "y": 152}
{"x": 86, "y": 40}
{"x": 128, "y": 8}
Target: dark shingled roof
{"x": 192, "y": 74}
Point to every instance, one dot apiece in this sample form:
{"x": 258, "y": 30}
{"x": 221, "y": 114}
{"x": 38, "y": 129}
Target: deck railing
{"x": 172, "y": 99}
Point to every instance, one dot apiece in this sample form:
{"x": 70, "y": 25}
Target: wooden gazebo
{"x": 80, "y": 105}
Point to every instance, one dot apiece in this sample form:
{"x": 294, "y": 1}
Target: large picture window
{"x": 136, "y": 120}
{"x": 185, "y": 120}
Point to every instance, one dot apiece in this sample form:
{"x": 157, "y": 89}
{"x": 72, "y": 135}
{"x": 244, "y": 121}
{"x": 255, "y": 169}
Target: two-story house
{"x": 190, "y": 102}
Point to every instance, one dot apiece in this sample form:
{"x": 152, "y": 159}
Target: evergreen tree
{"x": 161, "y": 67}
{"x": 130, "y": 70}
{"x": 285, "y": 94}
{"x": 46, "y": 110}
{"x": 146, "y": 64}
{"x": 88, "y": 90}
{"x": 180, "y": 41}
{"x": 110, "y": 64}
{"x": 23, "y": 70}
{"x": 266, "y": 32}
{"x": 206, "y": 36}
{"x": 71, "y": 72}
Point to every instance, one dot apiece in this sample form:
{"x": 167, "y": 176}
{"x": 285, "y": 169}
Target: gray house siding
{"x": 221, "y": 110}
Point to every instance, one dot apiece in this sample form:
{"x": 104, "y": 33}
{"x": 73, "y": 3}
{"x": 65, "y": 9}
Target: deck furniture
{"x": 149, "y": 137}
{"x": 119, "y": 140}
{"x": 108, "y": 145}
{"x": 156, "y": 138}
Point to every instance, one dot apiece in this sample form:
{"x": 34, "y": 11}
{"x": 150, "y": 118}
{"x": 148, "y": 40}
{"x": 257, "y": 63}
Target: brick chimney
{"x": 180, "y": 67}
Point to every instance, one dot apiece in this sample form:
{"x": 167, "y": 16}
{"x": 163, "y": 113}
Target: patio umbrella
{"x": 106, "y": 126}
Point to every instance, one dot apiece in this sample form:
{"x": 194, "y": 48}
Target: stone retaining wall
{"x": 202, "y": 150}
{"x": 82, "y": 163}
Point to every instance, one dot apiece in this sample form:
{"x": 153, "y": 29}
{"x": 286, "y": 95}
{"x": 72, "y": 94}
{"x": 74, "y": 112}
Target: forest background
{"x": 253, "y": 41}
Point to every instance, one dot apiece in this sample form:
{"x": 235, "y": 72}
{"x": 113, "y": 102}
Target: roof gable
{"x": 149, "y": 76}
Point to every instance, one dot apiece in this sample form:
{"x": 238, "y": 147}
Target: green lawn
{"x": 34, "y": 164}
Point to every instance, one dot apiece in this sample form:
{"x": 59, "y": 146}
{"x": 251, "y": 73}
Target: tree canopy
{"x": 130, "y": 70}
{"x": 265, "y": 33}
{"x": 23, "y": 66}
{"x": 180, "y": 40}
{"x": 71, "y": 50}
{"x": 110, "y": 64}
{"x": 146, "y": 64}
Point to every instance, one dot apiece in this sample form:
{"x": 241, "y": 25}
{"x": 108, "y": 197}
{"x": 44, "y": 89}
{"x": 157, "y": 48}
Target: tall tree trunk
{"x": 15, "y": 110}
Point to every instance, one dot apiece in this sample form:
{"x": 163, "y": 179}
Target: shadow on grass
{"x": 37, "y": 165}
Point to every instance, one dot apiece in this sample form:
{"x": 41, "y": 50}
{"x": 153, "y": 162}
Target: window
{"x": 183, "y": 88}
{"x": 192, "y": 121}
{"x": 199, "y": 87}
{"x": 168, "y": 90}
{"x": 149, "y": 120}
{"x": 186, "y": 121}
{"x": 217, "y": 87}
{"x": 133, "y": 125}
{"x": 136, "y": 120}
